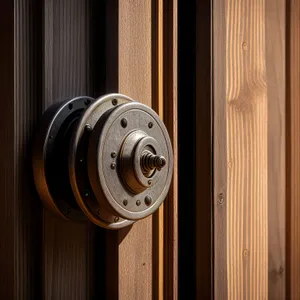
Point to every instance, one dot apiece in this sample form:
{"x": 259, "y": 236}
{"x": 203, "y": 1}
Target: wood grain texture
{"x": 170, "y": 114}
{"x": 275, "y": 66}
{"x": 134, "y": 76}
{"x": 220, "y": 148}
{"x": 247, "y": 150}
{"x": 20, "y": 234}
{"x": 157, "y": 104}
{"x": 244, "y": 192}
{"x": 293, "y": 149}
{"x": 66, "y": 74}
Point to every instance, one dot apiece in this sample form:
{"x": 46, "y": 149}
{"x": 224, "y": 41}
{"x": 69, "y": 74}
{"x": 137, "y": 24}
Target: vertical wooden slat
{"x": 134, "y": 277}
{"x": 7, "y": 185}
{"x": 220, "y": 148}
{"x": 139, "y": 71}
{"x": 293, "y": 148}
{"x": 275, "y": 65}
{"x": 247, "y": 117}
{"x": 66, "y": 74}
{"x": 170, "y": 92}
{"x": 20, "y": 234}
{"x": 240, "y": 55}
{"x": 157, "y": 105}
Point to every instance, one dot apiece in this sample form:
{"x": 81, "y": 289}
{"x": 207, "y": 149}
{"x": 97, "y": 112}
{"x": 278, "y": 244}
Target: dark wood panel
{"x": 21, "y": 215}
{"x": 68, "y": 246}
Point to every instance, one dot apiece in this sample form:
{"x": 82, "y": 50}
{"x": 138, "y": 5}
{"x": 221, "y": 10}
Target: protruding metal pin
{"x": 150, "y": 161}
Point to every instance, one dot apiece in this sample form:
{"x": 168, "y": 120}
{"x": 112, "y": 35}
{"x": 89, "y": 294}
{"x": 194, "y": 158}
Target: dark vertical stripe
{"x": 186, "y": 149}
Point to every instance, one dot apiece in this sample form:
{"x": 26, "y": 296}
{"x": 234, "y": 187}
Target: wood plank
{"x": 220, "y": 193}
{"x": 136, "y": 268}
{"x": 245, "y": 195}
{"x": 275, "y": 65}
{"x": 157, "y": 105}
{"x": 170, "y": 114}
{"x": 7, "y": 223}
{"x": 247, "y": 137}
{"x": 67, "y": 263}
{"x": 20, "y": 233}
{"x": 134, "y": 277}
{"x": 293, "y": 148}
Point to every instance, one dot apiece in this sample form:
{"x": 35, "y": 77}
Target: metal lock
{"x": 108, "y": 160}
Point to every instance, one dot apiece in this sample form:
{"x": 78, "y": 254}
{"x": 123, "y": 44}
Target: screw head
{"x": 81, "y": 160}
{"x": 114, "y": 102}
{"x": 124, "y": 122}
{"x": 138, "y": 202}
{"x": 148, "y": 200}
{"x": 125, "y": 202}
{"x": 113, "y": 166}
{"x": 150, "y": 124}
{"x": 88, "y": 127}
{"x": 86, "y": 193}
{"x": 113, "y": 154}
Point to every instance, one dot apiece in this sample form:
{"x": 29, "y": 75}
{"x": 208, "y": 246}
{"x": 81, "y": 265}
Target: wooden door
{"x": 64, "y": 48}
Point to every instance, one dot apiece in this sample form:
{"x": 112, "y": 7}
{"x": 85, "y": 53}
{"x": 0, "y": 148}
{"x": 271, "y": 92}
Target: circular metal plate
{"x": 50, "y": 152}
{"x": 101, "y": 215}
{"x": 104, "y": 171}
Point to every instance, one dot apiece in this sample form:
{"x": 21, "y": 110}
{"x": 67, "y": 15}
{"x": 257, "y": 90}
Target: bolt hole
{"x": 70, "y": 106}
{"x": 87, "y": 101}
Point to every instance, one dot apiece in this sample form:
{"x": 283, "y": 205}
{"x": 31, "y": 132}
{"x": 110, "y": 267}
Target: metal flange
{"x": 50, "y": 157}
{"x": 108, "y": 160}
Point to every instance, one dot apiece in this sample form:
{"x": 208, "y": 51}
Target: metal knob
{"x": 108, "y": 160}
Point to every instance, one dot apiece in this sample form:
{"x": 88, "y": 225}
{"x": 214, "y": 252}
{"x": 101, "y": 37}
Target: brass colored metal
{"x": 113, "y": 157}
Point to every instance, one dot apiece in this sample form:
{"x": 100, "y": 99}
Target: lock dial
{"x": 119, "y": 164}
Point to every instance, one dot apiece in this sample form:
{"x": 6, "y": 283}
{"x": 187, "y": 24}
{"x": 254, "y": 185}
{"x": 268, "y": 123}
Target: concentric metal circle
{"x": 108, "y": 136}
{"x": 99, "y": 214}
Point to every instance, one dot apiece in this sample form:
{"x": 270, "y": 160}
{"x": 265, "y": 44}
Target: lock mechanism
{"x": 108, "y": 160}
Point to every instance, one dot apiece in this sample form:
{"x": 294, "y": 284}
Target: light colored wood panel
{"x": 157, "y": 105}
{"x": 293, "y": 148}
{"x": 244, "y": 192}
{"x": 135, "y": 249}
{"x": 220, "y": 152}
{"x": 247, "y": 150}
{"x": 275, "y": 65}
